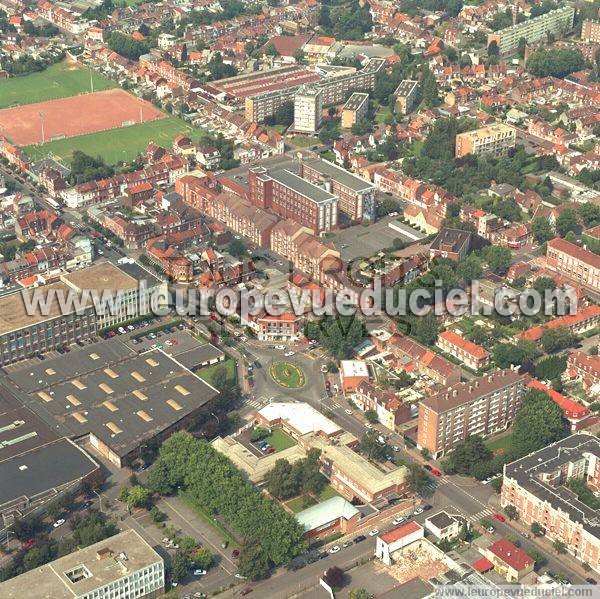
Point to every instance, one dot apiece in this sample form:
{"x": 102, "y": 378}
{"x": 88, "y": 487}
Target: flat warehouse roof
{"x": 303, "y": 187}
{"x": 339, "y": 174}
{"x": 100, "y": 276}
{"x": 37, "y": 375}
{"x": 42, "y": 469}
{"x": 122, "y": 398}
{"x": 13, "y": 309}
{"x": 194, "y": 357}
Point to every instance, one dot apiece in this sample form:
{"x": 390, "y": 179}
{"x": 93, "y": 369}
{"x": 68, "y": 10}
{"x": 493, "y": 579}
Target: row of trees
{"x": 557, "y": 62}
{"x": 215, "y": 486}
{"x": 87, "y": 168}
{"x": 538, "y": 423}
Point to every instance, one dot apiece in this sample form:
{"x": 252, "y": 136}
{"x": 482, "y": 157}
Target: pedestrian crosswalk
{"x": 475, "y": 518}
{"x": 435, "y": 483}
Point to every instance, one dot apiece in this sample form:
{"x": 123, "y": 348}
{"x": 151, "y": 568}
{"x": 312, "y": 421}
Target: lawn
{"x": 279, "y": 440}
{"x": 327, "y": 493}
{"x": 300, "y": 503}
{"x": 116, "y": 145}
{"x": 382, "y": 114}
{"x": 207, "y": 373}
{"x": 303, "y": 142}
{"x": 499, "y": 446}
{"x": 287, "y": 375}
{"x": 57, "y": 81}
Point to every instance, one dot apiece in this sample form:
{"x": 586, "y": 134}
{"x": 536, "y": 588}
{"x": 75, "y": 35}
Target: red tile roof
{"x": 570, "y": 407}
{"x": 562, "y": 245}
{"x": 471, "y": 348}
{"x": 535, "y": 333}
{"x": 483, "y": 565}
{"x": 401, "y": 531}
{"x": 511, "y": 555}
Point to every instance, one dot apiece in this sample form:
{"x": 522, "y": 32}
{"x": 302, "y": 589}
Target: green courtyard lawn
{"x": 303, "y": 142}
{"x": 115, "y": 145}
{"x": 501, "y": 445}
{"x": 59, "y": 80}
{"x": 327, "y": 493}
{"x": 300, "y": 503}
{"x": 208, "y": 372}
{"x": 279, "y": 440}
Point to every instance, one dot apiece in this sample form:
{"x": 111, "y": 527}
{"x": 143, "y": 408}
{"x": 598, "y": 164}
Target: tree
{"x": 201, "y": 558}
{"x": 511, "y": 512}
{"x": 253, "y": 561}
{"x": 299, "y": 55}
{"x": 337, "y": 334}
{"x": 127, "y": 46}
{"x": 555, "y": 63}
{"x": 509, "y": 354}
{"x": 179, "y": 566}
{"x": 559, "y": 547}
{"x": 468, "y": 454}
{"x": 522, "y": 47}
{"x": 590, "y": 214}
{"x": 567, "y": 221}
{"x": 550, "y": 368}
{"x": 138, "y": 496}
{"x": 237, "y": 248}
{"x": 497, "y": 258}
{"x": 361, "y": 593}
{"x": 542, "y": 231}
{"x": 537, "y": 529}
{"x": 330, "y": 131}
{"x": 496, "y": 484}
{"x": 538, "y": 423}
{"x": 334, "y": 577}
{"x": 370, "y": 446}
{"x": 469, "y": 268}
{"x": 558, "y": 338}
{"x": 371, "y": 416}
{"x": 417, "y": 477}
{"x": 424, "y": 328}
{"x": 538, "y": 557}
{"x": 280, "y": 480}
{"x": 429, "y": 88}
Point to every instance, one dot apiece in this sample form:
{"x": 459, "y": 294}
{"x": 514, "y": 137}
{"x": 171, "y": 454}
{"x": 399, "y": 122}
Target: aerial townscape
{"x": 299, "y": 298}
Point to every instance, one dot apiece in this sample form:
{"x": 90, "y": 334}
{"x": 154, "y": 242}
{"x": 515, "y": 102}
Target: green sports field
{"x": 116, "y": 145}
{"x": 57, "y": 81}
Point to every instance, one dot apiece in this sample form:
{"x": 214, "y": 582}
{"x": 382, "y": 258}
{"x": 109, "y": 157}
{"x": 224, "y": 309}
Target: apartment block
{"x": 308, "y": 109}
{"x": 291, "y": 196}
{"x": 590, "y": 31}
{"x": 495, "y": 139}
{"x": 406, "y": 96}
{"x": 122, "y": 566}
{"x": 470, "y": 354}
{"x": 355, "y": 109}
{"x": 558, "y": 22}
{"x": 481, "y": 406}
{"x": 24, "y": 334}
{"x": 356, "y": 196}
{"x": 537, "y": 486}
{"x": 576, "y": 263}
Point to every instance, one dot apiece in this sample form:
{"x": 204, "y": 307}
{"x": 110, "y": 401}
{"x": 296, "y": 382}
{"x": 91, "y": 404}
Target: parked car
{"x": 237, "y": 575}
{"x": 59, "y": 522}
{"x": 436, "y": 472}
{"x": 591, "y": 581}
{"x": 426, "y": 507}
{"x": 491, "y": 529}
{"x": 235, "y": 553}
{"x": 418, "y": 510}
{"x": 334, "y": 549}
{"x": 245, "y": 591}
{"x": 427, "y": 467}
{"x": 199, "y": 572}
{"x": 499, "y": 517}
{"x": 28, "y": 544}
{"x": 349, "y": 412}
{"x": 398, "y": 520}
{"x": 373, "y": 532}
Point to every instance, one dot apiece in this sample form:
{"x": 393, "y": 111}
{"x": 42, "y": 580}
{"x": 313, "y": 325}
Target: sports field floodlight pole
{"x": 91, "y": 80}
{"x": 43, "y": 133}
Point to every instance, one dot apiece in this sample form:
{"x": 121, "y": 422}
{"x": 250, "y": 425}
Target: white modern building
{"x": 308, "y": 109}
{"x": 121, "y": 567}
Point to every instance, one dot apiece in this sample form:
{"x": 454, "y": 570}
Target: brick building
{"x": 472, "y": 355}
{"x": 536, "y": 485}
{"x": 574, "y": 262}
{"x": 290, "y": 196}
{"x": 481, "y": 406}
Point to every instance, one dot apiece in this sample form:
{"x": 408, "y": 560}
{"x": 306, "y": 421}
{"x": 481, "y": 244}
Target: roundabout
{"x": 287, "y": 375}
